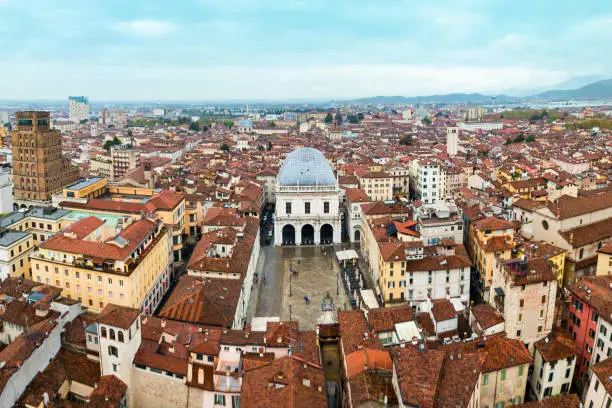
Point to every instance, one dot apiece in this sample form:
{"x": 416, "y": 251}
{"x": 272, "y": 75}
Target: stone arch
{"x": 327, "y": 234}
{"x": 357, "y": 235}
{"x": 308, "y": 234}
{"x": 288, "y": 233}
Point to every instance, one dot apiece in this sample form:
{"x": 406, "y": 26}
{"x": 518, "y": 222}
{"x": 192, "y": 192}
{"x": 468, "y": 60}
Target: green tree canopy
{"x": 269, "y": 146}
{"x": 195, "y": 126}
{"x": 338, "y": 118}
{"x": 405, "y": 140}
{"x": 110, "y": 143}
{"x": 329, "y": 118}
{"x": 225, "y": 148}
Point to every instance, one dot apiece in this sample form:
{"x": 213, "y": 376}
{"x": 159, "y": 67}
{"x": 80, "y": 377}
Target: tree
{"x": 426, "y": 121}
{"x": 269, "y": 146}
{"x": 339, "y": 118}
{"x": 110, "y": 143}
{"x": 405, "y": 140}
{"x": 353, "y": 119}
{"x": 8, "y": 126}
{"x": 229, "y": 123}
{"x": 272, "y": 123}
{"x": 360, "y": 116}
{"x": 519, "y": 139}
{"x": 530, "y": 139}
{"x": 329, "y": 118}
{"x": 483, "y": 153}
{"x": 195, "y": 126}
{"x": 225, "y": 148}
{"x": 129, "y": 133}
{"x": 260, "y": 148}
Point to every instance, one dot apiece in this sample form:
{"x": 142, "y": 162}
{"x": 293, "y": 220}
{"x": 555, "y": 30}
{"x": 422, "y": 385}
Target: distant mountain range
{"x": 601, "y": 89}
{"x": 596, "y": 90}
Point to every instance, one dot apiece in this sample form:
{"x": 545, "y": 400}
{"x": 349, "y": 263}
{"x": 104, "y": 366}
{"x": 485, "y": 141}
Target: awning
{"x": 347, "y": 255}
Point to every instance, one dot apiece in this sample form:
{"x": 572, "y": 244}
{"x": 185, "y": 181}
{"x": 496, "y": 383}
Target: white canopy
{"x": 347, "y": 255}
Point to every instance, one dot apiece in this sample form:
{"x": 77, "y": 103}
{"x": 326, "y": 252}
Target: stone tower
{"x": 39, "y": 170}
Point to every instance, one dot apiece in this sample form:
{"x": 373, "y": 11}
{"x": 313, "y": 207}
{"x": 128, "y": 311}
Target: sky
{"x": 229, "y": 50}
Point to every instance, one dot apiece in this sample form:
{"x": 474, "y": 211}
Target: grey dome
{"x": 306, "y": 167}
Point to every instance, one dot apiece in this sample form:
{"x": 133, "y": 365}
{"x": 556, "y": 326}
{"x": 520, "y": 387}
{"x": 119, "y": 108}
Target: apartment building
{"x": 581, "y": 225}
{"x": 41, "y": 222}
{"x": 93, "y": 263}
{"x": 15, "y": 247}
{"x": 124, "y": 159}
{"x": 524, "y": 291}
{"x": 552, "y": 253}
{"x": 168, "y": 206}
{"x": 78, "y": 108}
{"x": 430, "y": 181}
{"x": 589, "y": 322}
{"x": 102, "y": 166}
{"x": 378, "y": 185}
{"x": 599, "y": 393}
{"x": 491, "y": 237}
{"x": 438, "y": 222}
{"x": 553, "y": 365}
{"x": 401, "y": 177}
{"x": 427, "y": 273}
{"x": 604, "y": 260}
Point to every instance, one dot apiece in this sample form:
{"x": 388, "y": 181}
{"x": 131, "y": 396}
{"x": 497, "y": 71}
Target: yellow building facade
{"x": 14, "y": 249}
{"x": 491, "y": 237}
{"x": 604, "y": 261}
{"x": 139, "y": 280}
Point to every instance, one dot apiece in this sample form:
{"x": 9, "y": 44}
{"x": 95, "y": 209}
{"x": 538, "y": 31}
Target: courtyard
{"x": 281, "y": 293}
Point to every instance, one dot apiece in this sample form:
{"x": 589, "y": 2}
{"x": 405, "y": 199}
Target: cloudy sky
{"x": 295, "y": 49}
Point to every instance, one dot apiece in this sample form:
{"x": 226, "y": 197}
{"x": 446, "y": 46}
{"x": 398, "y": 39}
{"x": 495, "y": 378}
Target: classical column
{"x": 317, "y": 233}
{"x": 298, "y": 234}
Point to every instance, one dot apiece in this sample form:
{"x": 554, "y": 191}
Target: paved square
{"x": 317, "y": 275}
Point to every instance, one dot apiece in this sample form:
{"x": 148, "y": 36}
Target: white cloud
{"x": 318, "y": 82}
{"x": 144, "y": 28}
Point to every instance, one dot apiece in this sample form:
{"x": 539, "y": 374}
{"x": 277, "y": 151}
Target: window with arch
{"x": 103, "y": 331}
{"x": 112, "y": 351}
{"x": 111, "y": 334}
{"x": 120, "y": 336}
{"x": 545, "y": 224}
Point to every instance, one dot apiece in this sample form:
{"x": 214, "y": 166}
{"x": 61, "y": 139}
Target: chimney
{"x": 42, "y": 310}
{"x": 571, "y": 238}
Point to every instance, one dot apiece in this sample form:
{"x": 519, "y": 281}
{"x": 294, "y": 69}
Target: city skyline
{"x": 210, "y": 50}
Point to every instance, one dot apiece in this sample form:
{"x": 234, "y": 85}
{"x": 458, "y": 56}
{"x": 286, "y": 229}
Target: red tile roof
{"x": 118, "y": 316}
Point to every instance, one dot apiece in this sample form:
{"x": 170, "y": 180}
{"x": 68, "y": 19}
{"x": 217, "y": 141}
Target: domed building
{"x": 307, "y": 200}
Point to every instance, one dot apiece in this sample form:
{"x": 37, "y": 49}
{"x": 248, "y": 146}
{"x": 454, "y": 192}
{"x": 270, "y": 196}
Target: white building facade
{"x": 78, "y": 107}
{"x": 307, "y": 200}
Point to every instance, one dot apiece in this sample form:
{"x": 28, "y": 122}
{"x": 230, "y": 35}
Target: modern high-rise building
{"x": 78, "y": 108}
{"x": 39, "y": 169}
{"x": 5, "y": 117}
